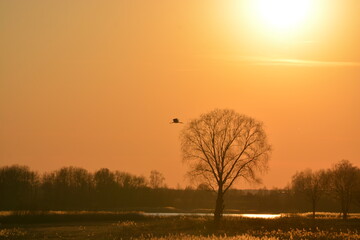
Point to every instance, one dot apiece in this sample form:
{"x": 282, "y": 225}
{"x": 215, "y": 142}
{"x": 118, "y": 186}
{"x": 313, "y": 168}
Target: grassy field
{"x": 105, "y": 225}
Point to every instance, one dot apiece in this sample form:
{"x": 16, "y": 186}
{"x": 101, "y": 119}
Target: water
{"x": 264, "y": 216}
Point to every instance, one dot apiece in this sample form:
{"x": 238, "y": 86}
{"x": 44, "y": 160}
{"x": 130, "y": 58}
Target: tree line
{"x": 72, "y": 188}
{"x": 341, "y": 182}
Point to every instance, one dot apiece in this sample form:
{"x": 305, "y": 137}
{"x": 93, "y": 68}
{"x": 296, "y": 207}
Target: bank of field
{"x": 85, "y": 225}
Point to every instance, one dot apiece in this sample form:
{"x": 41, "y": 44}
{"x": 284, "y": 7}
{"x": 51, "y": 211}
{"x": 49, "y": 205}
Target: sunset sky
{"x": 95, "y": 84}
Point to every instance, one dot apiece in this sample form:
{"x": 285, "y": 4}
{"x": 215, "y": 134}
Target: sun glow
{"x": 283, "y": 15}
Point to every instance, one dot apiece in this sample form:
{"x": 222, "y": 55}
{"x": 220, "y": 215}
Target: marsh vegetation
{"x": 104, "y": 225}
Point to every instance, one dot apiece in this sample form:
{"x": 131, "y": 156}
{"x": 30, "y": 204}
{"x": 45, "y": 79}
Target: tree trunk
{"x": 219, "y": 207}
{"x": 345, "y": 211}
{"x": 314, "y": 208}
{"x": 344, "y": 208}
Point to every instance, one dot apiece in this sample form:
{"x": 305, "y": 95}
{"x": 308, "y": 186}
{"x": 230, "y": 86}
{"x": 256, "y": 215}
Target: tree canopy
{"x": 222, "y": 146}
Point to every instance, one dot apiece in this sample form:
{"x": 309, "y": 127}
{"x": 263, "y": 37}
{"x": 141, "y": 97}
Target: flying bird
{"x": 176, "y": 120}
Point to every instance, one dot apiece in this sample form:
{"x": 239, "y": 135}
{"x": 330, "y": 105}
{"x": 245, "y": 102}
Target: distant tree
{"x": 357, "y": 190}
{"x": 68, "y": 187}
{"x": 104, "y": 178}
{"x": 203, "y": 187}
{"x": 18, "y": 187}
{"x": 343, "y": 184}
{"x": 105, "y": 187}
{"x": 157, "y": 180}
{"x": 129, "y": 181}
{"x": 223, "y": 146}
{"x": 49, "y": 191}
{"x": 311, "y": 184}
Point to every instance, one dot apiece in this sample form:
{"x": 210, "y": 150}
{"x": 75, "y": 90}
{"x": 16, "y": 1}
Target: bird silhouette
{"x": 176, "y": 120}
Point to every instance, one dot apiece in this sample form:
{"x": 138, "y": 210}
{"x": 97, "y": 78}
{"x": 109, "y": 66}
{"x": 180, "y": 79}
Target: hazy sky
{"x": 95, "y": 83}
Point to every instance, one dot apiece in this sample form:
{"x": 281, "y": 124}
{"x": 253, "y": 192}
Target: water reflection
{"x": 264, "y": 216}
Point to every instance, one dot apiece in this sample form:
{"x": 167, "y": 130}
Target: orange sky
{"x": 95, "y": 83}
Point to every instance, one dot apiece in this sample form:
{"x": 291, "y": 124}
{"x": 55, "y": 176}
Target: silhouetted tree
{"x": 68, "y": 187}
{"x": 203, "y": 187}
{"x": 129, "y": 181}
{"x": 311, "y": 184}
{"x": 131, "y": 189}
{"x": 18, "y": 187}
{"x": 343, "y": 184}
{"x": 357, "y": 189}
{"x": 223, "y": 146}
{"x": 157, "y": 179}
{"x": 49, "y": 190}
{"x": 106, "y": 187}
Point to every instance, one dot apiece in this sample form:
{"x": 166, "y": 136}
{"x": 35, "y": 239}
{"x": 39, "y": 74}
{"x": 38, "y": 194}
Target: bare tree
{"x": 129, "y": 181}
{"x": 223, "y": 146}
{"x": 18, "y": 187}
{"x": 343, "y": 184}
{"x": 357, "y": 190}
{"x": 312, "y": 184}
{"x": 105, "y": 187}
{"x": 157, "y": 179}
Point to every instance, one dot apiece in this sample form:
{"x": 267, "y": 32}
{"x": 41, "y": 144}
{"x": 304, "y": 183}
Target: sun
{"x": 283, "y": 15}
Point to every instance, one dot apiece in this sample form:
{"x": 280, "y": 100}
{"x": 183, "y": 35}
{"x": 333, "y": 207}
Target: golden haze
{"x": 95, "y": 84}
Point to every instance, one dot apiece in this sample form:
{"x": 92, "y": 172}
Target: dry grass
{"x": 183, "y": 228}
{"x": 213, "y": 237}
